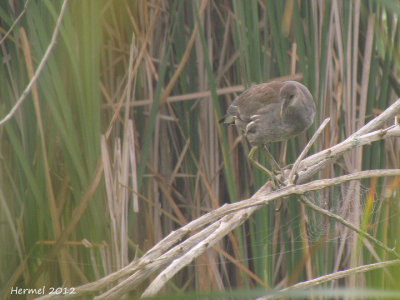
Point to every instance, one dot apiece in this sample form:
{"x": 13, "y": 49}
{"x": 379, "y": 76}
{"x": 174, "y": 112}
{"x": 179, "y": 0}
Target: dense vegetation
{"x": 118, "y": 143}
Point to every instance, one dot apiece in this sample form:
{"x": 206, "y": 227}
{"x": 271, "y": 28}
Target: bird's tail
{"x": 227, "y": 119}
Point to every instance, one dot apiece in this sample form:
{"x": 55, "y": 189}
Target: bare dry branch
{"x": 306, "y": 149}
{"x": 176, "y": 250}
{"x": 15, "y": 22}
{"x": 326, "y": 278}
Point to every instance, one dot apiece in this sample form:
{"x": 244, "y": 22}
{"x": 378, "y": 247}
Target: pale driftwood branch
{"x": 387, "y": 115}
{"x": 249, "y": 207}
{"x": 312, "y": 164}
{"x": 146, "y": 266}
{"x": 350, "y": 143}
{"x": 170, "y": 252}
{"x": 39, "y": 68}
{"x": 326, "y": 278}
{"x": 175, "y": 236}
{"x": 225, "y": 226}
{"x": 152, "y": 266}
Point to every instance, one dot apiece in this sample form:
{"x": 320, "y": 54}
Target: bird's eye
{"x": 291, "y": 96}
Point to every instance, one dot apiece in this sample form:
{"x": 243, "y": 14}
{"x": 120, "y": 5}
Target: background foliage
{"x": 134, "y": 90}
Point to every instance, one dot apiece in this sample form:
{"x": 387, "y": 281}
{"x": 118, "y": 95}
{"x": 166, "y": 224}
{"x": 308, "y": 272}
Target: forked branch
{"x": 180, "y": 247}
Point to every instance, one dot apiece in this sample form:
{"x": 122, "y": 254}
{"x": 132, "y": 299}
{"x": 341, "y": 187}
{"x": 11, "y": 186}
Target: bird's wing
{"x": 255, "y": 98}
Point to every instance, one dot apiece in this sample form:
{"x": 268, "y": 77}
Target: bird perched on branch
{"x": 272, "y": 112}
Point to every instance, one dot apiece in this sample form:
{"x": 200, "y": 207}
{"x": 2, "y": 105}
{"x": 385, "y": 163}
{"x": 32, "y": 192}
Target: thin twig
{"x": 40, "y": 67}
{"x": 306, "y": 149}
{"x": 15, "y": 22}
{"x": 339, "y": 219}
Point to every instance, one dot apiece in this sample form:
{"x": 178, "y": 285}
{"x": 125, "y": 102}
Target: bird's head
{"x": 289, "y": 96}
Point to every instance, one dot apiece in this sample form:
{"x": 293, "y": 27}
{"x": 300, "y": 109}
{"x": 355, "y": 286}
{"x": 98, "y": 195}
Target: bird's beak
{"x": 283, "y": 106}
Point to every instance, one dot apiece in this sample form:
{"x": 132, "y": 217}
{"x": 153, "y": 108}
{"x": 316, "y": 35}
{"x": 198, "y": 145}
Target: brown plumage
{"x": 273, "y": 111}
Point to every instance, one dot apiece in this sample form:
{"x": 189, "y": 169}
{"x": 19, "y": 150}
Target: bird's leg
{"x": 276, "y": 182}
{"x": 258, "y": 165}
{"x": 272, "y": 162}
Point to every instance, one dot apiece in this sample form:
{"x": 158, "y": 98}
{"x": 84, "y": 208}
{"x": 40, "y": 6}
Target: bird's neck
{"x": 297, "y": 119}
